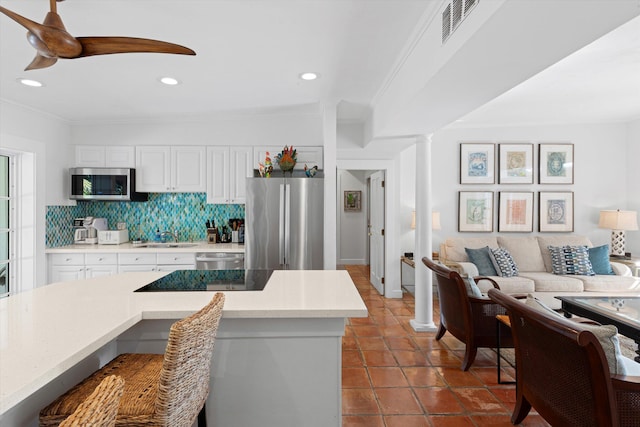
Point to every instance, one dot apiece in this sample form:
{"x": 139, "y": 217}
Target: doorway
{"x": 376, "y": 226}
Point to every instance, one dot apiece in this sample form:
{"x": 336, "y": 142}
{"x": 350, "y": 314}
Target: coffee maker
{"x": 86, "y": 230}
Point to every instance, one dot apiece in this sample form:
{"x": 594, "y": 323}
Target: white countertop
{"x": 46, "y": 331}
{"x": 201, "y": 246}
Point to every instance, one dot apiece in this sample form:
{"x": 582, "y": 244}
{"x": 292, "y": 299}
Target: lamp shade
{"x": 618, "y": 220}
{"x": 435, "y": 220}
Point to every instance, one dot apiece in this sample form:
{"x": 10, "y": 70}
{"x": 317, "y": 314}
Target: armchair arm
{"x": 464, "y": 269}
{"x": 489, "y": 279}
{"x": 620, "y": 269}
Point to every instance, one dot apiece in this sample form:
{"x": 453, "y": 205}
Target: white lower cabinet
{"x": 66, "y": 267}
{"x": 97, "y": 265}
{"x": 128, "y": 262}
{"x": 176, "y": 261}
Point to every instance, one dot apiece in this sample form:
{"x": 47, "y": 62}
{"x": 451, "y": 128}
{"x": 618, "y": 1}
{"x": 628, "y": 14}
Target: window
{"x": 6, "y": 223}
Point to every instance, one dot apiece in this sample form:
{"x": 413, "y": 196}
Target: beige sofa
{"x": 535, "y": 276}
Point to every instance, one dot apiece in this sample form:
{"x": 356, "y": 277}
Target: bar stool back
{"x": 167, "y": 389}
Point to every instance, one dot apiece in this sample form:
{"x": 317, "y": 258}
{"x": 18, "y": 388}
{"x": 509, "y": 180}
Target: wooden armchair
{"x": 471, "y": 320}
{"x": 563, "y": 373}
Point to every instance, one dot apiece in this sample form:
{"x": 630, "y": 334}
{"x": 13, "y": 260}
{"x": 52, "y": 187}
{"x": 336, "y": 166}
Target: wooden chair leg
{"x": 441, "y": 331}
{"x": 202, "y": 417}
{"x": 469, "y": 356}
{"x": 521, "y": 410}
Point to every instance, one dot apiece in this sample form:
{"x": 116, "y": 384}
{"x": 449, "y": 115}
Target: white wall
{"x": 633, "y": 182}
{"x": 45, "y": 138}
{"x": 267, "y": 129}
{"x": 352, "y": 245}
{"x": 600, "y": 173}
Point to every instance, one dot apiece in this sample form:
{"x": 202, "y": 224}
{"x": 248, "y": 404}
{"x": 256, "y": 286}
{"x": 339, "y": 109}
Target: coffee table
{"x": 622, "y": 312}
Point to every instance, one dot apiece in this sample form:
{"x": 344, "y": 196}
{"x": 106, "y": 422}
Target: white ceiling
{"x": 249, "y": 55}
{"x": 600, "y": 83}
{"x": 250, "y": 52}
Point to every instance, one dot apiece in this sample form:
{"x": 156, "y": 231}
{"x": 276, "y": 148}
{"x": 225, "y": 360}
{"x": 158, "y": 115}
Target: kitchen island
{"x": 277, "y": 359}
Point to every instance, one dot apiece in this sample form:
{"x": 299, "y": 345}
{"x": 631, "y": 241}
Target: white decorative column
{"x": 423, "y": 320}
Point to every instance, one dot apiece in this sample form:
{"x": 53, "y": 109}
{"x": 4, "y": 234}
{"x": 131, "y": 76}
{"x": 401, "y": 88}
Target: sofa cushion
{"x": 547, "y": 282}
{"x": 453, "y": 248}
{"x": 606, "y": 283}
{"x": 472, "y": 288}
{"x": 545, "y": 241}
{"x": 482, "y": 260}
{"x": 503, "y": 262}
{"x": 509, "y": 285}
{"x": 525, "y": 252}
{"x": 599, "y": 257}
{"x": 571, "y": 260}
{"x": 607, "y": 335}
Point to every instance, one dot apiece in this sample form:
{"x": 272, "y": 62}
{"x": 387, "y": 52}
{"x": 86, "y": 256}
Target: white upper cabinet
{"x": 164, "y": 169}
{"x": 99, "y": 156}
{"x": 311, "y": 156}
{"x": 227, "y": 169}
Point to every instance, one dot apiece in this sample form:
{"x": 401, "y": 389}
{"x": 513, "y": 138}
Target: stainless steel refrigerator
{"x": 284, "y": 227}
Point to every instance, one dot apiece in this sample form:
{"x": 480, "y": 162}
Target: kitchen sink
{"x": 167, "y": 245}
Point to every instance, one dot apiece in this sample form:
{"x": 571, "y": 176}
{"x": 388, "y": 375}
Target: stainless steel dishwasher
{"x": 219, "y": 261}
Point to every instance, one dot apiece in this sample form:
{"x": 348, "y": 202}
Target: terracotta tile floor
{"x": 395, "y": 377}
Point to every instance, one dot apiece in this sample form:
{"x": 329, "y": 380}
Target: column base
{"x": 423, "y": 327}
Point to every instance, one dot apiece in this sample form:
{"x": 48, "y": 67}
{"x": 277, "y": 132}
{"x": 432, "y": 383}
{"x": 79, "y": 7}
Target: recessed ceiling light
{"x": 309, "y": 76}
{"x": 30, "y": 82}
{"x": 169, "y": 81}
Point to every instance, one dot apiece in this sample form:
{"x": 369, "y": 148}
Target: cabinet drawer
{"x": 129, "y": 259}
{"x": 67, "y": 259}
{"x": 101, "y": 259}
{"x": 177, "y": 258}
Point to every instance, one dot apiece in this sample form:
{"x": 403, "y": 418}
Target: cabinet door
{"x": 100, "y": 270}
{"x": 90, "y": 156}
{"x": 65, "y": 273}
{"x": 142, "y": 267}
{"x": 153, "y": 169}
{"x": 188, "y": 169}
{"x": 241, "y": 168}
{"x": 218, "y": 175}
{"x": 120, "y": 157}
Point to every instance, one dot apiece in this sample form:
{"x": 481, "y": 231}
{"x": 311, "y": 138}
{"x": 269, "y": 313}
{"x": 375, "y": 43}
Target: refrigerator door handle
{"x": 287, "y": 223}
{"x": 281, "y": 227}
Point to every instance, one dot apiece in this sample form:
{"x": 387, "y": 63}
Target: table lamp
{"x": 435, "y": 220}
{"x": 618, "y": 222}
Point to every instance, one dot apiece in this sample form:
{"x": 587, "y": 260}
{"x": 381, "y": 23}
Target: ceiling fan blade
{"x": 41, "y": 62}
{"x": 30, "y": 25}
{"x": 108, "y": 45}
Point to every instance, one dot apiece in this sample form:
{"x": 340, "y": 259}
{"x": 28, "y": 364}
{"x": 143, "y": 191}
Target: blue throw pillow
{"x": 482, "y": 260}
{"x": 599, "y": 257}
{"x": 503, "y": 262}
{"x": 570, "y": 260}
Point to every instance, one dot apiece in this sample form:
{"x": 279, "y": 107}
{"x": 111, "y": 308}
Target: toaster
{"x": 113, "y": 237}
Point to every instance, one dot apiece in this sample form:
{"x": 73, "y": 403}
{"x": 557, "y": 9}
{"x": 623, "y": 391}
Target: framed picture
{"x": 556, "y": 211}
{"x": 352, "y": 200}
{"x": 556, "y": 164}
{"x": 516, "y": 163}
{"x": 515, "y": 212}
{"x": 475, "y": 211}
{"x": 477, "y": 163}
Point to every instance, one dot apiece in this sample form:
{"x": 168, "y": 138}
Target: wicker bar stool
{"x": 160, "y": 390}
{"x": 101, "y": 407}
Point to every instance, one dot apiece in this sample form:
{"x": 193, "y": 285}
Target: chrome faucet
{"x": 173, "y": 234}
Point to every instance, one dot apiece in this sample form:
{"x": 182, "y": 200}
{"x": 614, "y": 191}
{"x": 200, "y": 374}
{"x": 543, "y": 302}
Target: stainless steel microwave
{"x": 105, "y": 184}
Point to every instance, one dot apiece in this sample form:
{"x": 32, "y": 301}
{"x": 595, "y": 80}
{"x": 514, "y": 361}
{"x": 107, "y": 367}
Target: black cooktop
{"x": 210, "y": 280}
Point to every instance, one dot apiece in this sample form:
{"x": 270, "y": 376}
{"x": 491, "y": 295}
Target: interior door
{"x": 376, "y": 231}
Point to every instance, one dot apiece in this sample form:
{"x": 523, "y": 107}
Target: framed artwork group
{"x": 515, "y": 165}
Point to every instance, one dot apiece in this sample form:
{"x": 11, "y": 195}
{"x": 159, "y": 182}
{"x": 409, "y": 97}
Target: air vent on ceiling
{"x": 454, "y": 14}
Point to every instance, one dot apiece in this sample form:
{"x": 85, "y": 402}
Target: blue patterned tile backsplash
{"x": 185, "y": 213}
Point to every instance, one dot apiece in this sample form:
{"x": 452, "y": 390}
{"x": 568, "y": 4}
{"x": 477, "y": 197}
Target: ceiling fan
{"x": 52, "y": 41}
